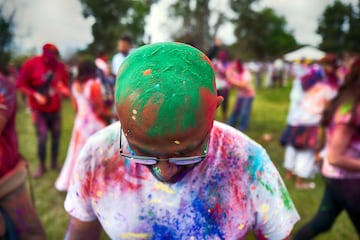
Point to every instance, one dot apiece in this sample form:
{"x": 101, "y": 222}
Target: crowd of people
{"x": 149, "y": 160}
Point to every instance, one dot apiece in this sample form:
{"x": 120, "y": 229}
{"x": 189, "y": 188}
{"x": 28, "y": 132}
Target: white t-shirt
{"x": 117, "y": 61}
{"x": 236, "y": 189}
{"x": 314, "y": 102}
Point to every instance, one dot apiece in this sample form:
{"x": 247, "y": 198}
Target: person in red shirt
{"x": 17, "y": 214}
{"x": 44, "y": 79}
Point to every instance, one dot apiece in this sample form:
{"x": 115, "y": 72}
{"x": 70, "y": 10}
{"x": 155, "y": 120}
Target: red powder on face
{"x": 147, "y": 72}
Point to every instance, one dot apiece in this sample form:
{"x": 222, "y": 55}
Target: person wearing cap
{"x": 44, "y": 79}
{"x": 167, "y": 169}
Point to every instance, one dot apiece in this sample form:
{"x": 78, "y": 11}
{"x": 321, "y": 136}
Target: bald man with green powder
{"x": 167, "y": 170}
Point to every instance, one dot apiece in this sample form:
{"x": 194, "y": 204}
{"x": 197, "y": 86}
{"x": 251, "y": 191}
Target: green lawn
{"x": 269, "y": 112}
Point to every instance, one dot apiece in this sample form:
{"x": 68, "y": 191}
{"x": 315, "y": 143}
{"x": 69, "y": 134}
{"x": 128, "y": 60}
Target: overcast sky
{"x": 61, "y": 22}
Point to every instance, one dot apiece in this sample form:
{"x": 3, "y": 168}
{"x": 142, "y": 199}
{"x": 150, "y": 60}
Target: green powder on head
{"x": 160, "y": 82}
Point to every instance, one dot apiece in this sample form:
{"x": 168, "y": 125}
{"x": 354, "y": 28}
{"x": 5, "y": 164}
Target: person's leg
{"x": 245, "y": 113}
{"x": 41, "y": 133}
{"x": 235, "y": 112}
{"x": 54, "y": 121}
{"x": 349, "y": 190}
{"x": 2, "y": 226}
{"x": 289, "y": 161}
{"x": 305, "y": 169}
{"x": 328, "y": 211}
{"x": 22, "y": 214}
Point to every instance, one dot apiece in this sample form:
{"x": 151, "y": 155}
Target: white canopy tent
{"x": 307, "y": 52}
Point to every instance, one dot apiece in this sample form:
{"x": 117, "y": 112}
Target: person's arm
{"x": 78, "y": 230}
{"x": 337, "y": 147}
{"x": 97, "y": 102}
{"x": 63, "y": 82}
{"x": 3, "y": 121}
{"x": 241, "y": 84}
{"x": 23, "y": 83}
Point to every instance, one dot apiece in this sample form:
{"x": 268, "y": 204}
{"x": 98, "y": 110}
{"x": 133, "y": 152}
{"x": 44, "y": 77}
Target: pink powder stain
{"x": 108, "y": 175}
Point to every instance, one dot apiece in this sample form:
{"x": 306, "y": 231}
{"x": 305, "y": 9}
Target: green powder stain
{"x": 286, "y": 198}
{"x": 168, "y": 77}
{"x": 345, "y": 108}
{"x": 157, "y": 171}
{"x": 267, "y": 187}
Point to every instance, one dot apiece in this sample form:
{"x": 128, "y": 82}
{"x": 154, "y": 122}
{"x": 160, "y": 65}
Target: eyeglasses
{"x": 181, "y": 161}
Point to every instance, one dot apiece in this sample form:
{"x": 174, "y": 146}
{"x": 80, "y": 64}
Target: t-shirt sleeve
{"x": 274, "y": 210}
{"x": 344, "y": 115}
{"x": 78, "y": 199}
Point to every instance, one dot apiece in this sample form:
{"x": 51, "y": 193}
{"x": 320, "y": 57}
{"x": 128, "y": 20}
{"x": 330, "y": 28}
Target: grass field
{"x": 268, "y": 116}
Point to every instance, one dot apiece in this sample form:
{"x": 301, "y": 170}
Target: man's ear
{"x": 219, "y": 99}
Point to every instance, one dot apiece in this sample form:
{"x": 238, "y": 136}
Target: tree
{"x": 261, "y": 35}
{"x": 353, "y": 35}
{"x": 195, "y": 27}
{"x": 6, "y": 36}
{"x": 114, "y": 18}
{"x": 334, "y": 26}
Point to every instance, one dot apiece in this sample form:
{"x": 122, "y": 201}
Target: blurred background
{"x": 253, "y": 30}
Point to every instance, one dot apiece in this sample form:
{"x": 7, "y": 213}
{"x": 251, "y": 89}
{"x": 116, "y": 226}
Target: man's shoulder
{"x": 224, "y": 131}
{"x": 117, "y": 56}
{"x": 32, "y": 61}
{"x": 106, "y": 137}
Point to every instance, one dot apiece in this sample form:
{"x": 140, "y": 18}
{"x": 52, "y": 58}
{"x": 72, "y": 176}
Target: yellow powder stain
{"x": 241, "y": 226}
{"x": 99, "y": 193}
{"x": 163, "y": 187}
{"x": 265, "y": 208}
{"x": 147, "y": 72}
{"x": 157, "y": 201}
{"x": 131, "y": 235}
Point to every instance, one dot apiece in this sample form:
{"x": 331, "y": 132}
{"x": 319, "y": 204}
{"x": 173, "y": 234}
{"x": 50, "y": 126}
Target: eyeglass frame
{"x": 143, "y": 159}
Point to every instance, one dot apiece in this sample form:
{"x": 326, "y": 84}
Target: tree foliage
{"x": 334, "y": 26}
{"x": 195, "y": 27}
{"x": 260, "y": 34}
{"x": 115, "y": 18}
{"x": 6, "y": 36}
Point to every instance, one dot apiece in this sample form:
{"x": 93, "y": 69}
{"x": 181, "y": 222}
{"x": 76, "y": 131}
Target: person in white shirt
{"x": 124, "y": 46}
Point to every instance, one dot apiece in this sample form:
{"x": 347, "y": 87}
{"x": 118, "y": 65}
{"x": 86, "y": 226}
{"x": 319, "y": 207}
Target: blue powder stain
{"x": 163, "y": 232}
{"x": 206, "y": 219}
{"x": 255, "y": 162}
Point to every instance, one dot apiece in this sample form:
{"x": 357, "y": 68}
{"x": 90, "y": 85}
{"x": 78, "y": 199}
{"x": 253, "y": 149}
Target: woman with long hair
{"x": 341, "y": 166}
{"x": 91, "y": 116}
